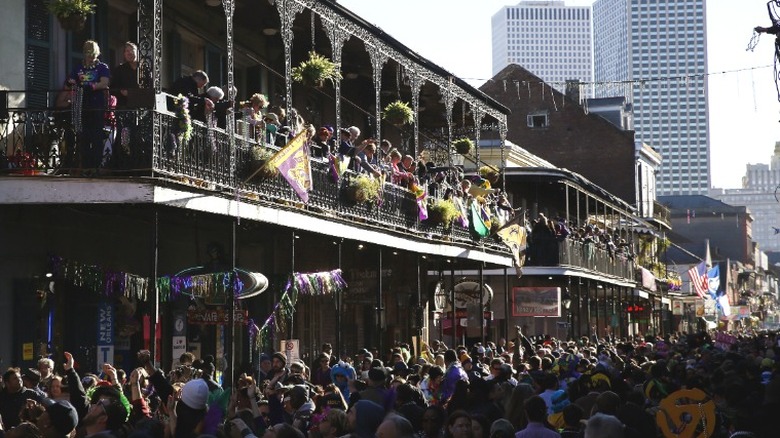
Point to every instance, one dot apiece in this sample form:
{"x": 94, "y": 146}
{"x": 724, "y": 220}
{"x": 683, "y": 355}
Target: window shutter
{"x": 38, "y": 63}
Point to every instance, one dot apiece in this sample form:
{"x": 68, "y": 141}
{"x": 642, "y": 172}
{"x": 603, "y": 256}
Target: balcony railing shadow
{"x": 146, "y": 142}
{"x": 554, "y": 252}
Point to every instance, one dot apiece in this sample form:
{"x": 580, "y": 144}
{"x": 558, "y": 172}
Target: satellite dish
{"x": 439, "y": 297}
{"x": 254, "y": 283}
{"x": 468, "y": 291}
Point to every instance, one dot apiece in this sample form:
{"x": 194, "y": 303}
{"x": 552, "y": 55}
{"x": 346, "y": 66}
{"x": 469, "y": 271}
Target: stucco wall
{"x": 12, "y": 47}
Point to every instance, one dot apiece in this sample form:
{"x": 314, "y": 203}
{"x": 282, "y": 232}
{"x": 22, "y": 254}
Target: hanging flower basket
{"x": 73, "y": 22}
{"x": 363, "y": 188}
{"x": 398, "y": 113}
{"x": 443, "y": 212}
{"x": 316, "y": 70}
{"x": 258, "y": 166}
{"x": 72, "y": 14}
{"x": 490, "y": 173}
{"x": 463, "y": 145}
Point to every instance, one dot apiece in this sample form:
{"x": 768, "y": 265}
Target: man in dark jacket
{"x": 14, "y": 397}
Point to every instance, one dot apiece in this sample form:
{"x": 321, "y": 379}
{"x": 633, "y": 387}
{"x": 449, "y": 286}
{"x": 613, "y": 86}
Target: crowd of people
{"x": 545, "y": 233}
{"x": 680, "y": 385}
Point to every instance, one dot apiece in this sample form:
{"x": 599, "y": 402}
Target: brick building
{"x": 558, "y": 129}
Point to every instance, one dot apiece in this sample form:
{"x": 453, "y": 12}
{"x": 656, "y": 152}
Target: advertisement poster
{"x": 536, "y": 301}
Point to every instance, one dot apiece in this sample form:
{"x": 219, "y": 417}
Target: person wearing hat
{"x": 364, "y": 418}
{"x": 299, "y": 406}
{"x": 321, "y": 374}
{"x": 341, "y": 374}
{"x": 322, "y": 143}
{"x": 346, "y": 146}
{"x": 377, "y": 390}
{"x": 13, "y": 397}
{"x": 105, "y": 416}
{"x": 265, "y": 368}
{"x": 31, "y": 379}
{"x": 58, "y": 420}
{"x": 271, "y": 126}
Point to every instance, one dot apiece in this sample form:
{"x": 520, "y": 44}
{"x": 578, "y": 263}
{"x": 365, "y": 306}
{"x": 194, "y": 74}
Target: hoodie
{"x": 368, "y": 417}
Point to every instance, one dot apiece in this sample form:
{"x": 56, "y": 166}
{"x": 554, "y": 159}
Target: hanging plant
{"x": 463, "y": 145}
{"x": 316, "y": 70}
{"x": 398, "y": 113}
{"x": 364, "y": 188}
{"x": 72, "y": 14}
{"x": 490, "y": 173}
{"x": 258, "y": 164}
{"x": 443, "y": 211}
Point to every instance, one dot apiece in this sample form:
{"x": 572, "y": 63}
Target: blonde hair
{"x": 92, "y": 46}
{"x": 259, "y": 98}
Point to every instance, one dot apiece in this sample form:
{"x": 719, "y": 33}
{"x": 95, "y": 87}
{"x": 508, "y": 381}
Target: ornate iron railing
{"x": 567, "y": 252}
{"x": 43, "y": 142}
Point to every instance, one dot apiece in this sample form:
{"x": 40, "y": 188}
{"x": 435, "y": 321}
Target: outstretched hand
{"x": 68, "y": 361}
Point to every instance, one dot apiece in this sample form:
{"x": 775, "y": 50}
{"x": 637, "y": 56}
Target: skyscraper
{"x": 547, "y": 38}
{"x": 760, "y": 186}
{"x": 655, "y": 53}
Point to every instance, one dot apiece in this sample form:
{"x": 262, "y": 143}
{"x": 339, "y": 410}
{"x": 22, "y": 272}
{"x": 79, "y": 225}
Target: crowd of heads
{"x": 538, "y": 386}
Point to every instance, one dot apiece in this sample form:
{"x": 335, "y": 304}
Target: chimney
{"x": 573, "y": 90}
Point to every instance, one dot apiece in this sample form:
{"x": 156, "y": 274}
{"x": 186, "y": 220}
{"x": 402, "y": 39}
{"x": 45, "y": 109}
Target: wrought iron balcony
{"x": 567, "y": 252}
{"x": 146, "y": 143}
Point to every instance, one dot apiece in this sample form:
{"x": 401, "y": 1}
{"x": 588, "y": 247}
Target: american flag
{"x": 699, "y": 280}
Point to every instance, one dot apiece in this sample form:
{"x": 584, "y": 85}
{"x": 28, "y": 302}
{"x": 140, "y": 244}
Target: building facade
{"x": 655, "y": 53}
{"x": 548, "y": 38}
{"x": 759, "y": 195}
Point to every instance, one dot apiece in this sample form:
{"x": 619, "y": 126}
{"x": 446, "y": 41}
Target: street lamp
{"x": 566, "y": 302}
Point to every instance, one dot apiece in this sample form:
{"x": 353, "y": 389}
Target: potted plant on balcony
{"x": 258, "y": 164}
{"x": 398, "y": 113}
{"x": 443, "y": 211}
{"x": 316, "y": 70}
{"x": 72, "y": 14}
{"x": 364, "y": 188}
{"x": 463, "y": 145}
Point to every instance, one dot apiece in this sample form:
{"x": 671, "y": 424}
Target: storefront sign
{"x": 27, "y": 351}
{"x": 536, "y": 301}
{"x": 178, "y": 347}
{"x": 105, "y": 319}
{"x": 105, "y": 333}
{"x": 215, "y": 317}
{"x": 464, "y": 313}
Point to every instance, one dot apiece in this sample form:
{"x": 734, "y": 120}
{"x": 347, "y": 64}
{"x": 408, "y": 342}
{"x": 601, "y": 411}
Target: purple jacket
{"x": 454, "y": 373}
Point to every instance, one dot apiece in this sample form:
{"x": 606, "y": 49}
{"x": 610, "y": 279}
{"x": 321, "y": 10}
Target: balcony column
{"x": 230, "y": 125}
{"x": 417, "y": 82}
{"x": 502, "y": 131}
{"x": 449, "y": 104}
{"x": 378, "y": 60}
{"x": 337, "y": 36}
{"x": 453, "y": 319}
{"x": 478, "y": 113}
{"x": 338, "y": 303}
{"x": 288, "y": 9}
{"x": 150, "y": 31}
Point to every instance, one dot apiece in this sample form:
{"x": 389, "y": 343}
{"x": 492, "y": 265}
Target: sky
{"x": 744, "y": 111}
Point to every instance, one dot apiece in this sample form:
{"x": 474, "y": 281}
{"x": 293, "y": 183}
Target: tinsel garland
{"x": 182, "y": 111}
{"x": 76, "y": 104}
{"x": 111, "y": 283}
{"x": 313, "y": 284}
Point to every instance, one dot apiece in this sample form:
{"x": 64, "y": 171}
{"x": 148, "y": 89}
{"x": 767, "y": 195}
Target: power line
{"x": 679, "y": 78}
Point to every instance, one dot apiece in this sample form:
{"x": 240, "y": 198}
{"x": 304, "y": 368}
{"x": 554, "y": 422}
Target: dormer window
{"x": 538, "y": 120}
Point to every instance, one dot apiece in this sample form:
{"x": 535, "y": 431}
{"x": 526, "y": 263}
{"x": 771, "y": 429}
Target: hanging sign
{"x": 216, "y": 317}
{"x": 536, "y": 301}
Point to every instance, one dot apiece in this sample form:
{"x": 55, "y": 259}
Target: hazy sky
{"x": 744, "y": 109}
